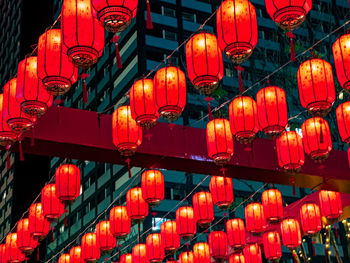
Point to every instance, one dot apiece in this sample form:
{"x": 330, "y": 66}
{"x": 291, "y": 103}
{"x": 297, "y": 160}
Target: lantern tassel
{"x": 240, "y": 81}
{"x": 129, "y": 167}
{"x": 149, "y": 24}
{"x": 118, "y": 58}
{"x": 32, "y": 140}
{"x": 65, "y": 217}
{"x": 85, "y": 93}
{"x": 37, "y": 254}
{"x": 52, "y": 234}
{"x": 291, "y": 38}
{"x": 336, "y": 232}
{"x": 292, "y": 181}
{"x": 313, "y": 248}
{"x": 21, "y": 156}
{"x": 210, "y": 113}
{"x": 8, "y": 161}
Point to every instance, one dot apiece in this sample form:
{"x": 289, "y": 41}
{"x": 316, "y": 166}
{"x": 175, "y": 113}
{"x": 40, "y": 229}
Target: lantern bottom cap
{"x": 290, "y": 15}
{"x": 245, "y": 137}
{"x": 170, "y": 250}
{"x": 83, "y": 57}
{"x": 274, "y": 219}
{"x": 293, "y": 167}
{"x": 221, "y": 158}
{"x": 170, "y": 112}
{"x": 321, "y": 108}
{"x": 39, "y": 236}
{"x": 273, "y": 130}
{"x": 187, "y": 237}
{"x": 120, "y": 236}
{"x": 223, "y": 205}
{"x": 33, "y": 108}
{"x": 7, "y": 138}
{"x": 206, "y": 84}
{"x": 115, "y": 18}
{"x": 19, "y": 125}
{"x": 27, "y": 250}
{"x": 319, "y": 155}
{"x": 237, "y": 248}
{"x": 204, "y": 223}
{"x": 56, "y": 85}
{"x": 127, "y": 148}
{"x": 147, "y": 121}
{"x": 153, "y": 203}
{"x": 238, "y": 52}
{"x": 107, "y": 250}
{"x": 138, "y": 219}
{"x": 52, "y": 218}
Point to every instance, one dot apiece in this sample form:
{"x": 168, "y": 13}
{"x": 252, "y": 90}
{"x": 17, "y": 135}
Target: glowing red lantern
{"x": 252, "y": 253}
{"x": 152, "y": 184}
{"x": 201, "y": 253}
{"x": 236, "y": 258}
{"x": 221, "y": 190}
{"x": 273, "y": 205}
{"x": 3, "y": 253}
{"x": 243, "y": 118}
{"x": 272, "y": 110}
{"x": 39, "y": 227}
{"x": 139, "y": 254}
{"x": 170, "y": 92}
{"x": 218, "y": 245}
{"x": 13, "y": 254}
{"x": 343, "y": 119}
{"x": 126, "y": 258}
{"x": 90, "y": 251}
{"x": 67, "y": 181}
{"x": 154, "y": 250}
{"x": 186, "y": 222}
{"x": 236, "y": 233}
{"x": 127, "y": 135}
{"x": 331, "y": 204}
{"x": 169, "y": 237}
{"x": 204, "y": 62}
{"x": 104, "y": 238}
{"x": 75, "y": 255}
{"x": 55, "y": 70}
{"x": 310, "y": 217}
{"x": 120, "y": 222}
{"x": 219, "y": 141}
{"x": 186, "y": 257}
{"x": 290, "y": 151}
{"x": 82, "y": 35}
{"x": 254, "y": 218}
{"x": 64, "y": 258}
{"x": 136, "y": 206}
{"x": 272, "y": 245}
{"x": 52, "y": 207}
{"x": 203, "y": 208}
{"x": 341, "y": 54}
{"x": 237, "y": 29}
{"x": 25, "y": 241}
{"x": 317, "y": 138}
{"x": 316, "y": 86}
{"x": 290, "y": 231}
{"x": 7, "y": 136}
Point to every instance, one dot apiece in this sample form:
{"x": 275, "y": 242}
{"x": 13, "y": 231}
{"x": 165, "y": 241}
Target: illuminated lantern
{"x": 221, "y": 190}
{"x": 186, "y": 257}
{"x": 75, "y": 255}
{"x": 126, "y": 258}
{"x": 172, "y": 261}
{"x": 201, "y": 253}
{"x": 30, "y": 90}
{"x": 341, "y": 54}
{"x": 273, "y": 205}
{"x": 3, "y": 253}
{"x": 237, "y": 29}
{"x": 12, "y": 113}
{"x": 343, "y": 119}
{"x": 64, "y": 258}
{"x": 272, "y": 110}
{"x": 152, "y": 184}
{"x": 7, "y": 136}
{"x": 120, "y": 222}
{"x": 55, "y": 70}
{"x": 243, "y": 118}
{"x": 170, "y": 92}
{"x": 310, "y": 217}
{"x": 82, "y": 35}
{"x": 186, "y": 222}
{"x": 136, "y": 206}
{"x": 272, "y": 245}
{"x": 331, "y": 204}
{"x": 290, "y": 151}
{"x": 236, "y": 233}
{"x": 13, "y": 254}
{"x": 154, "y": 250}
{"x": 236, "y": 258}
{"x": 290, "y": 231}
{"x": 219, "y": 141}
{"x": 52, "y": 207}
{"x": 115, "y": 15}
{"x": 67, "y": 181}
{"x": 104, "y": 238}
{"x": 203, "y": 208}
{"x": 90, "y": 251}
{"x": 127, "y": 135}
{"x": 204, "y": 62}
{"x": 169, "y": 237}
{"x": 39, "y": 227}
{"x": 252, "y": 253}
{"x": 255, "y": 218}
{"x": 25, "y": 241}
{"x": 218, "y": 245}
{"x": 317, "y": 138}
{"x": 139, "y": 254}
{"x": 316, "y": 86}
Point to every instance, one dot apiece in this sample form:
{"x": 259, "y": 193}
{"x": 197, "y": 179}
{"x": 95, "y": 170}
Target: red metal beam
{"x": 79, "y": 134}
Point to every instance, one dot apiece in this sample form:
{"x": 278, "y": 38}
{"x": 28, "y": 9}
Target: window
{"x": 189, "y": 17}
{"x": 166, "y": 11}
{"x": 169, "y": 35}
{"x": 158, "y": 221}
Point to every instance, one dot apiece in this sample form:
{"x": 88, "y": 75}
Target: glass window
{"x": 189, "y": 17}
{"x": 169, "y": 35}
{"x": 169, "y": 12}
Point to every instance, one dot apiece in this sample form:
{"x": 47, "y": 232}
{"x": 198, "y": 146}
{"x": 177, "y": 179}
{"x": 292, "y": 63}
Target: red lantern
{"x": 169, "y": 237}
{"x": 30, "y": 90}
{"x": 310, "y": 217}
{"x": 186, "y": 257}
{"x": 120, "y": 222}
{"x": 172, "y": 261}
{"x": 82, "y": 36}
{"x": 331, "y": 204}
{"x": 3, "y": 253}
{"x": 272, "y": 245}
{"x": 290, "y": 231}
{"x": 201, "y": 253}
{"x": 186, "y": 222}
{"x": 127, "y": 135}
{"x": 90, "y": 251}
{"x": 204, "y": 62}
{"x": 252, "y": 253}
{"x": 219, "y": 141}
{"x": 55, "y": 70}
{"x": 170, "y": 92}
{"x": 341, "y": 54}
{"x": 272, "y": 110}
{"x": 316, "y": 86}
{"x": 39, "y": 227}
{"x": 104, "y": 238}
{"x": 136, "y": 206}
{"x": 64, "y": 258}
{"x": 273, "y": 205}
{"x": 139, "y": 254}
{"x": 236, "y": 233}
{"x": 154, "y": 250}
{"x": 25, "y": 241}
{"x": 343, "y": 119}
{"x": 237, "y": 29}
{"x": 7, "y": 136}
{"x": 67, "y": 181}
{"x": 218, "y": 245}
{"x": 221, "y": 190}
{"x": 142, "y": 103}
{"x": 236, "y": 258}
{"x": 152, "y": 184}
{"x": 13, "y": 254}
{"x": 75, "y": 255}
{"x": 203, "y": 208}
{"x": 52, "y": 207}
{"x": 317, "y": 138}
{"x": 255, "y": 218}
{"x": 243, "y": 118}
{"x": 290, "y": 151}
{"x": 126, "y": 258}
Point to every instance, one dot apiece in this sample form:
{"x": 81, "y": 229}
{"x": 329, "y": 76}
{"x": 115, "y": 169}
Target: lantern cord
{"x": 8, "y": 157}
{"x": 240, "y": 81}
{"x": 149, "y": 24}
{"x": 115, "y": 40}
{"x": 139, "y": 232}
{"x": 32, "y": 140}
{"x": 291, "y": 38}
{"x": 21, "y": 156}
{"x": 37, "y": 254}
{"x": 84, "y": 76}
{"x": 129, "y": 167}
{"x": 209, "y": 99}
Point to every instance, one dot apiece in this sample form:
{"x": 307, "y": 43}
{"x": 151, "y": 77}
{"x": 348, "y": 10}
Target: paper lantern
{"x": 273, "y": 205}
{"x": 104, "y": 238}
{"x": 201, "y": 253}
{"x": 7, "y": 136}
{"x": 13, "y": 254}
{"x": 203, "y": 208}
{"x": 90, "y": 251}
{"x": 154, "y": 250}
{"x": 252, "y": 253}
{"x": 343, "y": 120}
{"x": 25, "y": 241}
{"x": 310, "y": 218}
{"x": 75, "y": 255}
{"x": 218, "y": 245}
{"x": 236, "y": 258}
{"x": 126, "y": 258}
{"x": 136, "y": 206}
{"x": 3, "y": 258}
{"x": 64, "y": 258}
{"x": 221, "y": 190}
{"x": 255, "y": 218}
{"x": 52, "y": 207}
{"x": 290, "y": 151}
{"x": 139, "y": 254}
{"x": 290, "y": 231}
{"x": 236, "y": 233}
{"x": 186, "y": 222}
{"x": 331, "y": 204}
{"x": 341, "y": 54}
{"x": 120, "y": 222}
{"x": 67, "y": 181}
{"x": 169, "y": 237}
{"x": 272, "y": 245}
{"x": 39, "y": 227}
{"x": 152, "y": 184}
{"x": 186, "y": 257}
